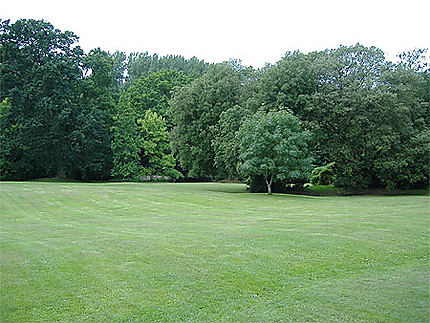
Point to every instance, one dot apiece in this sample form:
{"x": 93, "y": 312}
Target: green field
{"x": 208, "y": 252}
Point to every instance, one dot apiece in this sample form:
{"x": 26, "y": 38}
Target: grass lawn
{"x": 129, "y": 252}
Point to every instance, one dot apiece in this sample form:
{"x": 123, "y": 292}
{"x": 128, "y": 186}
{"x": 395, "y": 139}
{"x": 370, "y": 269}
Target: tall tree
{"x": 364, "y": 117}
{"x": 289, "y": 83}
{"x": 196, "y": 110}
{"x": 142, "y": 64}
{"x": 138, "y": 120}
{"x": 118, "y": 75}
{"x": 92, "y": 138}
{"x": 154, "y": 91}
{"x": 404, "y": 161}
{"x": 226, "y": 142}
{"x": 155, "y": 155}
{"x": 354, "y": 127}
{"x": 39, "y": 74}
{"x": 125, "y": 144}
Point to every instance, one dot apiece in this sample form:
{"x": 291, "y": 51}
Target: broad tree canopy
{"x": 274, "y": 145}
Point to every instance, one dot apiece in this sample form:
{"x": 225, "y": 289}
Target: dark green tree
{"x": 289, "y": 83}
{"x": 40, "y": 76}
{"x": 92, "y": 138}
{"x": 119, "y": 68}
{"x": 226, "y": 142}
{"x": 365, "y": 116}
{"x": 142, "y": 64}
{"x": 404, "y": 161}
{"x": 154, "y": 91}
{"x": 196, "y": 110}
{"x": 354, "y": 127}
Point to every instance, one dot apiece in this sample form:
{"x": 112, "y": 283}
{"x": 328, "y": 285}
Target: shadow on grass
{"x": 315, "y": 191}
{"x": 330, "y": 190}
{"x": 229, "y": 190}
{"x": 321, "y": 191}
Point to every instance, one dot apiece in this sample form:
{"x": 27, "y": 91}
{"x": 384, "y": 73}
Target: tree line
{"x": 343, "y": 116}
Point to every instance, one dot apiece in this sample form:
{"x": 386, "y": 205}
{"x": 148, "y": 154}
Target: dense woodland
{"x": 343, "y": 116}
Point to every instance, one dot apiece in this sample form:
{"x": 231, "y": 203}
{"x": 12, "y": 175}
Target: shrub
{"x": 323, "y": 175}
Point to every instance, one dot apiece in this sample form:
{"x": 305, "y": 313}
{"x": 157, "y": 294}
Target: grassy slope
{"x": 209, "y": 252}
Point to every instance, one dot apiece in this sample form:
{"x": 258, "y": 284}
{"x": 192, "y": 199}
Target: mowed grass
{"x": 208, "y": 252}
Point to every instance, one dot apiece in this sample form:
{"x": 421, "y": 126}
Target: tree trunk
{"x": 83, "y": 175}
{"x": 269, "y": 184}
{"x": 61, "y": 171}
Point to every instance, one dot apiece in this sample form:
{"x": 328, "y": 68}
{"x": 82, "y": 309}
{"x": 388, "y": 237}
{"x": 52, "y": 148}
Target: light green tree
{"x": 155, "y": 155}
{"x": 273, "y": 145}
{"x": 138, "y": 121}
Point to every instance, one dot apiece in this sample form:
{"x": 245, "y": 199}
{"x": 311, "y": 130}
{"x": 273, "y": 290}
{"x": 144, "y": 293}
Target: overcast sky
{"x": 253, "y": 31}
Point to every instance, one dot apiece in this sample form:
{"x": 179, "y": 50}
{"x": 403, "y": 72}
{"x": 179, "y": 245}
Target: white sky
{"x": 253, "y": 31}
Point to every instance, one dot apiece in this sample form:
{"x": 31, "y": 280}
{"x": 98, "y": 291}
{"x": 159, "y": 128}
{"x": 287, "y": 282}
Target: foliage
{"x": 363, "y": 113}
{"x": 226, "y": 142}
{"x": 119, "y": 69}
{"x": 154, "y": 91}
{"x": 407, "y": 164}
{"x": 137, "y": 151}
{"x": 352, "y": 129}
{"x": 92, "y": 138}
{"x": 143, "y": 64}
{"x": 125, "y": 143}
{"x": 196, "y": 110}
{"x": 415, "y": 60}
{"x": 323, "y": 175}
{"x": 40, "y": 76}
{"x": 8, "y": 167}
{"x": 273, "y": 145}
{"x": 67, "y": 114}
{"x": 155, "y": 155}
{"x": 288, "y": 83}
{"x": 131, "y": 154}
